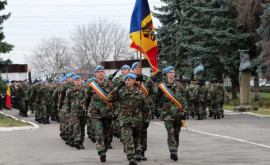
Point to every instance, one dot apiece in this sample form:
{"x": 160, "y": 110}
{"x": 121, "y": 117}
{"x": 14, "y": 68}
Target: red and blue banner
{"x": 170, "y": 95}
{"x": 100, "y": 92}
{"x": 8, "y": 96}
{"x": 142, "y": 33}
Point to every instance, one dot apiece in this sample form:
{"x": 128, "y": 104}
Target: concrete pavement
{"x": 236, "y": 139}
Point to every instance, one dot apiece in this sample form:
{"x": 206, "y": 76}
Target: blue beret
{"x": 99, "y": 67}
{"x": 91, "y": 79}
{"x": 169, "y": 68}
{"x": 130, "y": 75}
{"x": 44, "y": 81}
{"x": 63, "y": 79}
{"x": 70, "y": 74}
{"x": 135, "y": 64}
{"x": 125, "y": 67}
{"x": 77, "y": 77}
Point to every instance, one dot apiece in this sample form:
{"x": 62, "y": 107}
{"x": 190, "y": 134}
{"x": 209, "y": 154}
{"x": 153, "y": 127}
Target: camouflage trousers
{"x": 191, "y": 108}
{"x": 89, "y": 127}
{"x": 62, "y": 116}
{"x": 116, "y": 129}
{"x": 132, "y": 137}
{"x": 102, "y": 127}
{"x": 200, "y": 109}
{"x": 23, "y": 107}
{"x": 143, "y": 139}
{"x": 215, "y": 109}
{"x": 45, "y": 111}
{"x": 173, "y": 130}
{"x": 77, "y": 126}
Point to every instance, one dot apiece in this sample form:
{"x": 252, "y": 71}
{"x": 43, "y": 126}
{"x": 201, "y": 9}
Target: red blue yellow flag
{"x": 170, "y": 95}
{"x": 142, "y": 33}
{"x": 100, "y": 92}
{"x": 8, "y": 96}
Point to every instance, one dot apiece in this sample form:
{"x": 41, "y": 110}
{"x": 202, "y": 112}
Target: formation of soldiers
{"x": 121, "y": 107}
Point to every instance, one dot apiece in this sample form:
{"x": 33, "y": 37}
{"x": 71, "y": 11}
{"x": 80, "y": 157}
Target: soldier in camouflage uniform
{"x": 133, "y": 103}
{"x": 62, "y": 113}
{"x": 213, "y": 98}
{"x": 45, "y": 106}
{"x": 13, "y": 90}
{"x": 172, "y": 114}
{"x": 74, "y": 105}
{"x": 222, "y": 94}
{"x": 191, "y": 96}
{"x": 67, "y": 132}
{"x": 100, "y": 111}
{"x": 24, "y": 98}
{"x": 199, "y": 100}
{"x": 55, "y": 96}
{"x": 151, "y": 102}
{"x": 89, "y": 128}
{"x": 125, "y": 69}
{"x": 37, "y": 100}
{"x": 205, "y": 100}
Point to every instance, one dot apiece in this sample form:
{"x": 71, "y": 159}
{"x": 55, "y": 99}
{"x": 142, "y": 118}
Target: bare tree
{"x": 51, "y": 56}
{"x": 100, "y": 41}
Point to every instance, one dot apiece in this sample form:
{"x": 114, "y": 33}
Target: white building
{"x": 15, "y": 72}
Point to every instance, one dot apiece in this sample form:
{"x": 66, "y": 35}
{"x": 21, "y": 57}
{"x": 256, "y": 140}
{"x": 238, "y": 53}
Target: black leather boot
{"x": 143, "y": 156}
{"x": 215, "y": 117}
{"x": 132, "y": 161}
{"x": 109, "y": 145}
{"x": 102, "y": 156}
{"x": 138, "y": 155}
{"x": 71, "y": 143}
{"x": 174, "y": 155}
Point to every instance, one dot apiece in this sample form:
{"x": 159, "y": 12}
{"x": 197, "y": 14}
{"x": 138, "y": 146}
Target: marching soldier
{"x": 24, "y": 98}
{"x": 74, "y": 105}
{"x": 147, "y": 86}
{"x": 213, "y": 98}
{"x": 133, "y": 101}
{"x": 173, "y": 105}
{"x": 100, "y": 110}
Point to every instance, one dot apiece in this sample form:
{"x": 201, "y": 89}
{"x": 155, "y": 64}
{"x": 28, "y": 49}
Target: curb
{"x": 34, "y": 126}
{"x": 227, "y": 112}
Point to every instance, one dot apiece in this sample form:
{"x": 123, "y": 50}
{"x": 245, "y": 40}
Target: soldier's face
{"x": 129, "y": 82}
{"x": 170, "y": 74}
{"x": 136, "y": 70}
{"x": 70, "y": 79}
{"x": 125, "y": 71}
{"x": 100, "y": 74}
{"x": 78, "y": 82}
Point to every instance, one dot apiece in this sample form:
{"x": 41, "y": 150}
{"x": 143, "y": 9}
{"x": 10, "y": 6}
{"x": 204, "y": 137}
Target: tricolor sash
{"x": 171, "y": 96}
{"x": 143, "y": 87}
{"x": 100, "y": 92}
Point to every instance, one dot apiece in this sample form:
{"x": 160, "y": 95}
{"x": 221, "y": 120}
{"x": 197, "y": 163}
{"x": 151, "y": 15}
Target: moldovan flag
{"x": 141, "y": 28}
{"x": 8, "y": 95}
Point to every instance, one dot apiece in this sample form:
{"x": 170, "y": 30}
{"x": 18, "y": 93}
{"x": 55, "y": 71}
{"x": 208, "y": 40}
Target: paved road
{"x": 234, "y": 140}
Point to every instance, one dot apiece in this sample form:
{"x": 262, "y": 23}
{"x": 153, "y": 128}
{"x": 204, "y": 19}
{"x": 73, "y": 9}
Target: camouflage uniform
{"x": 31, "y": 99}
{"x": 74, "y": 105}
{"x": 205, "y": 100}
{"x": 213, "y": 98}
{"x": 132, "y": 104}
{"x": 36, "y": 96}
{"x": 46, "y": 95}
{"x": 147, "y": 116}
{"x": 24, "y": 99}
{"x": 191, "y": 99}
{"x": 221, "y": 93}
{"x": 64, "y": 128}
{"x": 100, "y": 113}
{"x": 55, "y": 97}
{"x": 199, "y": 102}
{"x": 172, "y": 115}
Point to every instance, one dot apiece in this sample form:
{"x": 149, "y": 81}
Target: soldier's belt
{"x": 170, "y": 95}
{"x": 100, "y": 92}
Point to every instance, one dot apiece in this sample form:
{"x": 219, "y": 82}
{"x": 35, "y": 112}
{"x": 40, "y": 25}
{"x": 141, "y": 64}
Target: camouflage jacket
{"x": 24, "y": 93}
{"x": 98, "y": 108}
{"x": 151, "y": 98}
{"x": 75, "y": 100}
{"x": 132, "y": 105}
{"x": 62, "y": 94}
{"x": 170, "y": 111}
{"x": 116, "y": 104}
{"x": 46, "y": 95}
{"x": 212, "y": 95}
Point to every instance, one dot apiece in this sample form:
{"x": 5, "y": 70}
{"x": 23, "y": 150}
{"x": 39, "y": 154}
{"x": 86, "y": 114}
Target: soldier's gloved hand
{"x": 113, "y": 75}
{"x": 139, "y": 78}
{"x": 115, "y": 116}
{"x": 122, "y": 83}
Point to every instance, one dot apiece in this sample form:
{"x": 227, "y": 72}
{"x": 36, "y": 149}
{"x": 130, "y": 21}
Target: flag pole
{"x": 141, "y": 51}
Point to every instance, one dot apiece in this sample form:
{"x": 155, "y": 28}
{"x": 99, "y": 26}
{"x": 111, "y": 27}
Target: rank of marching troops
{"x": 119, "y": 106}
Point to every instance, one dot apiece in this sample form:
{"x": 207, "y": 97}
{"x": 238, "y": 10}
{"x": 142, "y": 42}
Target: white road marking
{"x": 225, "y": 137}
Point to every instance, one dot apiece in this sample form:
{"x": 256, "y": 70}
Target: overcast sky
{"x": 32, "y": 20}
